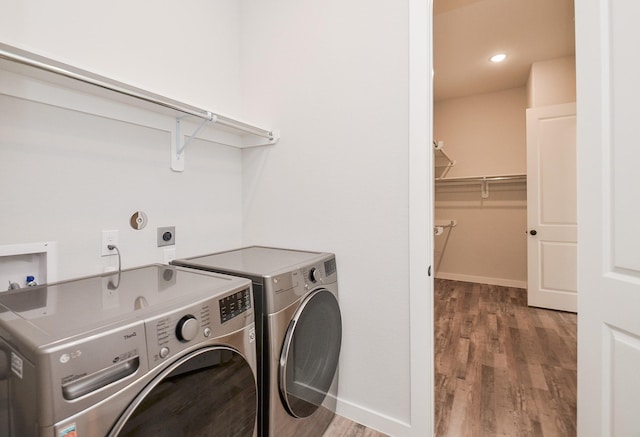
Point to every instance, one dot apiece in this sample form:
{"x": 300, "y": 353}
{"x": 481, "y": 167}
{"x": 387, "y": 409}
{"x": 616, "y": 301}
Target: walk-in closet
{"x": 505, "y": 217}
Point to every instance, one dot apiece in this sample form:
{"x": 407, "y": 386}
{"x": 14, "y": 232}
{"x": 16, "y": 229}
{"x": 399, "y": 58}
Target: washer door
{"x": 309, "y": 357}
{"x": 210, "y": 392}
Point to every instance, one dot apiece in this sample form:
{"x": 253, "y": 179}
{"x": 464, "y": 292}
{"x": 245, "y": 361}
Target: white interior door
{"x": 551, "y": 207}
{"x": 607, "y": 35}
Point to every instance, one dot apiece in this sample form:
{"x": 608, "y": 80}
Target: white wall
{"x": 552, "y": 82}
{"x": 486, "y": 135}
{"x": 334, "y": 78}
{"x": 186, "y": 50}
{"x": 67, "y": 175}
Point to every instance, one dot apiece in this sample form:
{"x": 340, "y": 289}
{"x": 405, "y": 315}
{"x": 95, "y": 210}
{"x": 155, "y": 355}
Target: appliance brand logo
{"x": 130, "y": 336}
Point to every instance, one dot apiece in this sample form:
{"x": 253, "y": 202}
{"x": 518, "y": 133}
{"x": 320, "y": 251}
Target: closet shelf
{"x": 255, "y": 135}
{"x": 483, "y": 181}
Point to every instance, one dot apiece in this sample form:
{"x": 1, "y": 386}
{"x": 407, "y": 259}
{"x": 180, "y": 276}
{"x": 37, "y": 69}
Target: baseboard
{"x": 372, "y": 419}
{"x": 482, "y": 280}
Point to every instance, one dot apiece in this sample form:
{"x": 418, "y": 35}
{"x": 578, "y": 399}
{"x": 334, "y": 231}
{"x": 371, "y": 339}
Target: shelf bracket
{"x": 485, "y": 188}
{"x": 438, "y": 148}
{"x": 179, "y": 143}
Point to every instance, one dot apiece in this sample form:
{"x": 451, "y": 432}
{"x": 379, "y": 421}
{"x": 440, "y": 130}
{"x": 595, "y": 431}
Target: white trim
{"x": 482, "y": 280}
{"x": 374, "y": 420}
{"x": 420, "y": 219}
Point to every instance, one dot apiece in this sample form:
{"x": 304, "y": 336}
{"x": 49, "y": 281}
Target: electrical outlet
{"x": 166, "y": 236}
{"x": 108, "y": 238}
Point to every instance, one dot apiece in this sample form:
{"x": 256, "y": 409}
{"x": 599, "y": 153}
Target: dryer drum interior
{"x": 211, "y": 391}
{"x": 310, "y": 353}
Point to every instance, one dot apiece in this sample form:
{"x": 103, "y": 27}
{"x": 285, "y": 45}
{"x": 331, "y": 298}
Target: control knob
{"x": 187, "y": 328}
{"x": 315, "y": 275}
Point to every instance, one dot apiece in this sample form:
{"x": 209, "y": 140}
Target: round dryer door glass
{"x": 210, "y": 392}
{"x": 309, "y": 358}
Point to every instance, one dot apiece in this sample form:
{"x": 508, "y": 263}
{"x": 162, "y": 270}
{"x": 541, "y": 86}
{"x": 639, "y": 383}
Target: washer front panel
{"x": 210, "y": 392}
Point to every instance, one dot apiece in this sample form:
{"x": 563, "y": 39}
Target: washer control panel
{"x": 235, "y": 304}
{"x": 174, "y": 332}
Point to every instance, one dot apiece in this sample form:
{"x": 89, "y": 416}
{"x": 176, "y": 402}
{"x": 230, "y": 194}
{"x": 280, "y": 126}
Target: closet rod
{"x": 42, "y": 63}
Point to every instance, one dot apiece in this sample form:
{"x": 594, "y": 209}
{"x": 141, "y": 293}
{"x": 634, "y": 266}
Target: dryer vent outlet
{"x": 166, "y": 236}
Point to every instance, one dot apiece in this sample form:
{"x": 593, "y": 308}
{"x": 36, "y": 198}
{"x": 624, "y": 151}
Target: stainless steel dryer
{"x": 156, "y": 350}
{"x": 300, "y": 332}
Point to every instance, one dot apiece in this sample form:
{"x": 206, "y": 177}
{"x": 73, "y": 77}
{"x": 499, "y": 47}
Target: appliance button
{"x": 164, "y": 352}
{"x": 207, "y": 332}
{"x": 187, "y": 328}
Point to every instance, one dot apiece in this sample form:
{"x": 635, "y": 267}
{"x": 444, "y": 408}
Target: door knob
{"x": 533, "y": 232}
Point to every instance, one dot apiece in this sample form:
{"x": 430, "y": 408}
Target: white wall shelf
{"x": 483, "y": 181}
{"x": 21, "y": 63}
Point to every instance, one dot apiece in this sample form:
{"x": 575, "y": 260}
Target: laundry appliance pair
{"x": 299, "y": 333}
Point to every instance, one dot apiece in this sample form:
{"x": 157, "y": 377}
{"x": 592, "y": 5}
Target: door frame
{"x": 421, "y": 218}
{"x": 419, "y": 347}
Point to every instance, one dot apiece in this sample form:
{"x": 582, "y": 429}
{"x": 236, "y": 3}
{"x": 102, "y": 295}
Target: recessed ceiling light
{"x": 498, "y": 58}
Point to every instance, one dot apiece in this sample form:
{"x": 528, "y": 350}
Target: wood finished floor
{"x": 501, "y": 367}
{"x": 341, "y": 427}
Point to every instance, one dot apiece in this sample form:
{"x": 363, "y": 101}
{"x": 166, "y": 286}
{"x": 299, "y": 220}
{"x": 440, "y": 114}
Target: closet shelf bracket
{"x": 438, "y": 147}
{"x": 441, "y": 225}
{"x": 253, "y": 136}
{"x": 211, "y": 118}
{"x": 179, "y": 143}
{"x": 485, "y": 189}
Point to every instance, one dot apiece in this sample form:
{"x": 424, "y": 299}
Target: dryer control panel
{"x": 284, "y": 289}
{"x": 317, "y": 273}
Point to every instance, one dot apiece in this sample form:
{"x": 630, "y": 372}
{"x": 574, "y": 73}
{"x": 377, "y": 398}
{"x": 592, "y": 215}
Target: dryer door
{"x": 309, "y": 357}
{"x": 210, "y": 392}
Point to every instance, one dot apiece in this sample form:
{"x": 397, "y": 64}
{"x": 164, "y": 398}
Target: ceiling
{"x": 466, "y": 33}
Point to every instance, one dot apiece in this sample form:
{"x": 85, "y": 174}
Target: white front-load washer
{"x": 300, "y": 331}
{"x": 152, "y": 351}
